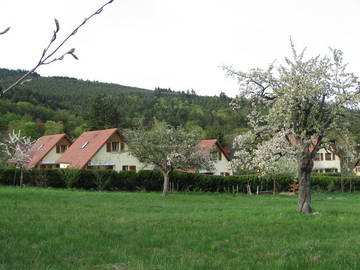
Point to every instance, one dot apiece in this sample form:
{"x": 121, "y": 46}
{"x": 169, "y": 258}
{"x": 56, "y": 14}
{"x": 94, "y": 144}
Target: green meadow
{"x": 71, "y": 229}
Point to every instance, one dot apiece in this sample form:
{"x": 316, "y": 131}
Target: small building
{"x": 100, "y": 149}
{"x": 326, "y": 161}
{"x": 47, "y": 150}
{"x": 220, "y": 157}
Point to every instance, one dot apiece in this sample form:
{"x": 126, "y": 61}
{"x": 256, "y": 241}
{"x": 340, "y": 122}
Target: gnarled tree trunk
{"x": 306, "y": 164}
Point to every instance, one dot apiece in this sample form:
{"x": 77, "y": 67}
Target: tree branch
{"x": 46, "y": 55}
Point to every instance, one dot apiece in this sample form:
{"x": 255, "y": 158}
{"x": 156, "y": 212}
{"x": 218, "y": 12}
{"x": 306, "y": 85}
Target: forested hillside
{"x": 47, "y": 105}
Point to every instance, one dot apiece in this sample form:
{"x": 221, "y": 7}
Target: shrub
{"x": 180, "y": 181}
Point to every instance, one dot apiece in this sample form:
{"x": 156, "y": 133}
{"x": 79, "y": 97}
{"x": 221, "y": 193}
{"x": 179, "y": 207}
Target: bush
{"x": 147, "y": 180}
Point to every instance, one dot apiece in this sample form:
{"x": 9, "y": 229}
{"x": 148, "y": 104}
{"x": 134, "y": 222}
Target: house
{"x": 326, "y": 161}
{"x": 220, "y": 157}
{"x": 100, "y": 149}
{"x": 47, "y": 150}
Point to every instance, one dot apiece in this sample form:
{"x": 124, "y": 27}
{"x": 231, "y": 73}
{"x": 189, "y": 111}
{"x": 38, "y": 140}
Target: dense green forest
{"x": 48, "y": 105}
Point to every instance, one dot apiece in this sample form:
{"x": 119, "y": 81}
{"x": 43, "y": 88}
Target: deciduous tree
{"x": 168, "y": 148}
{"x": 18, "y": 150}
{"x": 298, "y": 108}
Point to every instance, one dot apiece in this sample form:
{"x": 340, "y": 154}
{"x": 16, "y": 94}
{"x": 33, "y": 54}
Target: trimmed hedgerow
{"x": 147, "y": 180}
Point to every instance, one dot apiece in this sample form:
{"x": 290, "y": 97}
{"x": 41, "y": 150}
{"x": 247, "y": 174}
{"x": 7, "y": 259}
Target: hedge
{"x": 147, "y": 180}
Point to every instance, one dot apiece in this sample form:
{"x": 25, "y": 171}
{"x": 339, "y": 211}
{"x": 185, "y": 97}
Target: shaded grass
{"x": 62, "y": 229}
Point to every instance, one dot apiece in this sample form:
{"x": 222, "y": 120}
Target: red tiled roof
{"x": 213, "y": 143}
{"x": 42, "y": 147}
{"x": 85, "y": 147}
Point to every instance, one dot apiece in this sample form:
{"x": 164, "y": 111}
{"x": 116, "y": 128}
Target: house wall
{"x": 222, "y": 166}
{"x": 119, "y": 158}
{"x": 357, "y": 170}
{"x": 327, "y": 164}
{"x": 52, "y": 156}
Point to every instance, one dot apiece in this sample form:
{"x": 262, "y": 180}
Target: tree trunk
{"x": 166, "y": 184}
{"x": 21, "y": 177}
{"x": 305, "y": 167}
{"x": 15, "y": 177}
{"x": 274, "y": 187}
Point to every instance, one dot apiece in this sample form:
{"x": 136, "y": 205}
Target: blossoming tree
{"x": 168, "y": 149}
{"x": 298, "y": 108}
{"x": 18, "y": 149}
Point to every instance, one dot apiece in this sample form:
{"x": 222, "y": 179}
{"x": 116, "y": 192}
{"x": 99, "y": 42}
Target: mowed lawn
{"x": 67, "y": 229}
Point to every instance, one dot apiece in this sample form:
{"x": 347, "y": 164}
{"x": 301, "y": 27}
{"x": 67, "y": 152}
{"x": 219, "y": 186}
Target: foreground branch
{"x": 49, "y": 56}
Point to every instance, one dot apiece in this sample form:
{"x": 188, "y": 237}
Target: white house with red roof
{"x": 220, "y": 157}
{"x": 47, "y": 150}
{"x": 100, "y": 149}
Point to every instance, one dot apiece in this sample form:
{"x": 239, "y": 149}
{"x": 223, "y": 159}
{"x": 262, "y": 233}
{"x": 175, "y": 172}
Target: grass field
{"x": 61, "y": 229}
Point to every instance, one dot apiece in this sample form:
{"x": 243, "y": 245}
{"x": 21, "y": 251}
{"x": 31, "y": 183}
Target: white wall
{"x": 119, "y": 158}
{"x": 222, "y": 166}
{"x": 52, "y": 156}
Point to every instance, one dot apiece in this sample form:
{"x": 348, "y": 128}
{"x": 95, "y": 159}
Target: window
{"x": 113, "y": 147}
{"x": 40, "y": 147}
{"x": 327, "y": 156}
{"x": 61, "y": 148}
{"x": 317, "y": 157}
{"x": 129, "y": 168}
{"x": 84, "y": 145}
{"x": 224, "y": 174}
{"x": 333, "y": 156}
{"x": 122, "y": 146}
{"x": 321, "y": 156}
{"x": 219, "y": 155}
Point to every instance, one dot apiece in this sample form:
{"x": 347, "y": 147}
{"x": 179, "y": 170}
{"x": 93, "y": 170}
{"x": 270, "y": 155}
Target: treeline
{"x": 78, "y": 105}
{"x": 148, "y": 180}
{"x": 48, "y": 105}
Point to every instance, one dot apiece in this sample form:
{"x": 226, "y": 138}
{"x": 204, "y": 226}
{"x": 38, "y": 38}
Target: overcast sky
{"x": 177, "y": 44}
